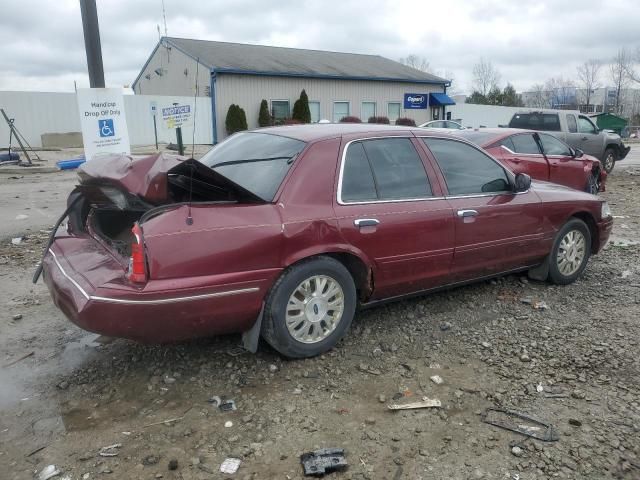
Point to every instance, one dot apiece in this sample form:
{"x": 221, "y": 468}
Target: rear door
{"x": 390, "y": 208}
{"x": 496, "y": 230}
{"x": 564, "y": 168}
{"x": 522, "y": 155}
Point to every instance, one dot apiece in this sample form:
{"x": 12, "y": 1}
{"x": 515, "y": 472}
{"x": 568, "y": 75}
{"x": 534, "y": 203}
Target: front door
{"x": 392, "y": 212}
{"x": 586, "y": 138}
{"x": 496, "y": 230}
{"x": 564, "y": 168}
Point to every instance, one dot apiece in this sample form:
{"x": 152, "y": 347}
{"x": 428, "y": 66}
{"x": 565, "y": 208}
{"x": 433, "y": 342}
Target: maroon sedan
{"x": 283, "y": 232}
{"x": 540, "y": 155}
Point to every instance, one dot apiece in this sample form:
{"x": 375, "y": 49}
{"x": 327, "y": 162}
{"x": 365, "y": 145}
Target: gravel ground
{"x": 574, "y": 364}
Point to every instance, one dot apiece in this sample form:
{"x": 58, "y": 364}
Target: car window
{"x": 585, "y": 125}
{"x": 450, "y": 125}
{"x": 437, "y": 125}
{"x": 466, "y": 169}
{"x": 572, "y": 126}
{"x": 525, "y": 143}
{"x": 395, "y": 171}
{"x": 257, "y": 162}
{"x": 357, "y": 177}
{"x": 553, "y": 146}
{"x": 507, "y": 142}
{"x": 536, "y": 121}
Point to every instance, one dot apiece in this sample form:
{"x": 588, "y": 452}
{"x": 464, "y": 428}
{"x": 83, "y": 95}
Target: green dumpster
{"x": 609, "y": 121}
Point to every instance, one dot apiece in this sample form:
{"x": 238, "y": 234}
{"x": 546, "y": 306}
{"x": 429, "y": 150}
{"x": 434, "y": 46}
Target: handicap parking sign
{"x": 106, "y": 127}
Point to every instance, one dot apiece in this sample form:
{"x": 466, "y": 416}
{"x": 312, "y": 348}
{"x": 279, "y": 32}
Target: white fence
{"x": 36, "y": 113}
{"x": 475, "y": 116}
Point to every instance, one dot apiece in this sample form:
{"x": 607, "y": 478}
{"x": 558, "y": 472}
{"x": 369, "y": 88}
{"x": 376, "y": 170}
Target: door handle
{"x": 467, "y": 213}
{"x": 585, "y": 138}
{"x": 366, "y": 222}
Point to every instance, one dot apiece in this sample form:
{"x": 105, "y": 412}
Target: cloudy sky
{"x": 43, "y": 48}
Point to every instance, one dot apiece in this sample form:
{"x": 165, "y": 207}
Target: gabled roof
{"x": 225, "y": 57}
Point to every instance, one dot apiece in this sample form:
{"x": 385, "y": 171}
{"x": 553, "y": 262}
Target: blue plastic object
{"x": 71, "y": 163}
{"x": 9, "y": 157}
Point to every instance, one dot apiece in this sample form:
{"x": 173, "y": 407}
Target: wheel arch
{"x": 588, "y": 218}
{"x": 356, "y": 263}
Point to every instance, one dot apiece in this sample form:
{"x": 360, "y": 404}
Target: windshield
{"x": 258, "y": 162}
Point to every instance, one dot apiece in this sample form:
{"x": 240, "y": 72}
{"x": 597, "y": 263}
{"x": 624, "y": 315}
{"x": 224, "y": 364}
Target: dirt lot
{"x": 575, "y": 364}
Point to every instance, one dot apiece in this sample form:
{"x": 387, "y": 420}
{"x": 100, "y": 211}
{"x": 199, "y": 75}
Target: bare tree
{"x": 485, "y": 77}
{"x": 588, "y": 75}
{"x": 620, "y": 67}
{"x": 417, "y": 62}
{"x": 537, "y": 97}
{"x": 631, "y": 71}
{"x": 562, "y": 93}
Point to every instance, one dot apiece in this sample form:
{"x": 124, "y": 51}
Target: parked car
{"x": 540, "y": 155}
{"x": 578, "y": 131}
{"x": 442, "y": 124}
{"x": 284, "y": 231}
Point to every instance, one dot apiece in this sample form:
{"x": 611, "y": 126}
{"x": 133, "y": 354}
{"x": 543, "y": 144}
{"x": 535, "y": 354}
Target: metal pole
{"x": 155, "y": 131}
{"x": 179, "y": 138}
{"x": 92, "y": 46}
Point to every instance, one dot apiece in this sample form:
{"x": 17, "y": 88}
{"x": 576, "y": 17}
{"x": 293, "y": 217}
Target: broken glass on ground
{"x": 322, "y": 461}
{"x": 520, "y": 423}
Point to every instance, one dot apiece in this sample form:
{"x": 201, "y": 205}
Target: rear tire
{"x": 609, "y": 159}
{"x": 570, "y": 252}
{"x": 310, "y": 308}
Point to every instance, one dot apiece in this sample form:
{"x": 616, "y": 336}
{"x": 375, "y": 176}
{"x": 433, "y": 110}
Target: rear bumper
{"x": 604, "y": 231}
{"x": 209, "y": 306}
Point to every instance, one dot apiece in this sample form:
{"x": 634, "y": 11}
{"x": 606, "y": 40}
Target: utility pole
{"x": 92, "y": 46}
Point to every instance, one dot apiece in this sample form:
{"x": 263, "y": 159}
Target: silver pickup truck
{"x": 577, "y": 130}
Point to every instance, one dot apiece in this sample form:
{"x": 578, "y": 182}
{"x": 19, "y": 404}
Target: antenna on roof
{"x": 164, "y": 18}
{"x": 189, "y": 219}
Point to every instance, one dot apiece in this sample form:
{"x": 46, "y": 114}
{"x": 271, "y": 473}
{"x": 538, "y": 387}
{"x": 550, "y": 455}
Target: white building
{"x": 337, "y": 84}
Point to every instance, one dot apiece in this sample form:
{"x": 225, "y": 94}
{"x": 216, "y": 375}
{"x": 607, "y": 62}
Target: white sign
{"x": 154, "y": 108}
{"x": 177, "y": 116}
{"x": 103, "y": 122}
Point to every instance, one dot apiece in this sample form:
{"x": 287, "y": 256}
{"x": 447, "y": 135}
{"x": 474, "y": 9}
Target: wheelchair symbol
{"x": 106, "y": 127}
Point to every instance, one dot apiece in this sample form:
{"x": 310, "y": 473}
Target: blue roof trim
{"x": 326, "y": 76}
{"x": 440, "y": 99}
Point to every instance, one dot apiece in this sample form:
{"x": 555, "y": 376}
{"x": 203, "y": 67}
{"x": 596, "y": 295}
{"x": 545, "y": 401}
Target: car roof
{"x": 320, "y": 131}
{"x": 547, "y": 110}
{"x": 490, "y": 134}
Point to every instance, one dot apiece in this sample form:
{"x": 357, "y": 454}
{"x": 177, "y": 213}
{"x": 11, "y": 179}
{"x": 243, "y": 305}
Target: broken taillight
{"x": 137, "y": 268}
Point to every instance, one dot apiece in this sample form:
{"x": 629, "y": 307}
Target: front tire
{"x": 593, "y": 185}
{"x": 570, "y": 253}
{"x": 310, "y": 308}
{"x": 609, "y": 159}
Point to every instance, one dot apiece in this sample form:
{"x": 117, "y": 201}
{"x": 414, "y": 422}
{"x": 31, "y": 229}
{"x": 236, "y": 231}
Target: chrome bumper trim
{"x": 149, "y": 302}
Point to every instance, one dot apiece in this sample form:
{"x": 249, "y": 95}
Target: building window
{"x": 393, "y": 111}
{"x": 280, "y": 111}
{"x": 314, "y": 108}
{"x": 367, "y": 111}
{"x": 340, "y": 110}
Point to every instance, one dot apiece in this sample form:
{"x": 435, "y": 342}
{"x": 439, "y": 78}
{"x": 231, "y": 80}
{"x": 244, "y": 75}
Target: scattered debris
{"x": 230, "y": 465}
{"x": 33, "y": 452}
{"x": 434, "y": 366}
{"x": 539, "y": 388}
{"x": 437, "y": 379}
{"x": 215, "y": 400}
{"x": 19, "y": 359}
{"x": 48, "y": 472}
{"x": 150, "y": 460}
{"x": 273, "y": 368}
{"x": 575, "y": 422}
{"x": 363, "y": 367}
{"x": 17, "y": 240}
{"x": 517, "y": 451}
{"x": 526, "y": 300}
{"x": 228, "y": 424}
{"x": 168, "y": 421}
{"x": 22, "y": 216}
{"x": 492, "y": 416}
{"x": 540, "y": 305}
{"x": 322, "y": 461}
{"x": 626, "y": 273}
{"x": 227, "y": 406}
{"x": 110, "y": 450}
{"x": 173, "y": 464}
{"x": 444, "y": 326}
{"x": 17, "y": 316}
{"x": 426, "y": 402}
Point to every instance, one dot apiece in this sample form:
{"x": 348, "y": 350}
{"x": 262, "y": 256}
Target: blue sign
{"x": 416, "y": 100}
{"x": 106, "y": 127}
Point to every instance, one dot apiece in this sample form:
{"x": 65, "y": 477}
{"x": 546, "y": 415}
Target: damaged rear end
{"x": 107, "y": 277}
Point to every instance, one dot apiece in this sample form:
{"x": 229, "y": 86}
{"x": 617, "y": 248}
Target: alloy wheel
{"x": 314, "y": 309}
{"x": 571, "y": 252}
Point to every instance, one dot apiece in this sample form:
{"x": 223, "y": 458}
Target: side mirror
{"x": 577, "y": 153}
{"x": 523, "y": 182}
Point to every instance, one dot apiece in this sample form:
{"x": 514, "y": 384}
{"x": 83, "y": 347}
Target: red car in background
{"x": 540, "y": 155}
{"x": 282, "y": 232}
